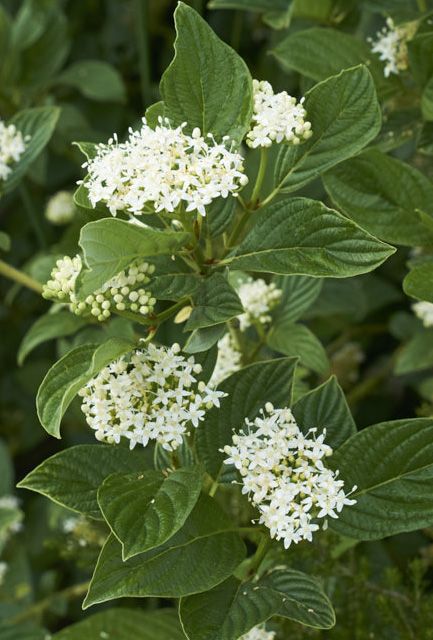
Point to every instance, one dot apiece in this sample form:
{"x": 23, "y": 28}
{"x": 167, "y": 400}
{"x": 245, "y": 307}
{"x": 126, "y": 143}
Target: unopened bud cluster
{"x": 284, "y": 476}
{"x": 153, "y": 395}
{"x": 60, "y": 208}
{"x": 124, "y": 292}
{"x": 277, "y": 117}
{"x": 12, "y": 146}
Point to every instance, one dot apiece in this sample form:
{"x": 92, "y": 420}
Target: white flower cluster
{"x": 228, "y": 360}
{"x": 424, "y": 311}
{"x": 12, "y": 146}
{"x": 259, "y": 633}
{"x": 124, "y": 292}
{"x": 60, "y": 208}
{"x": 163, "y": 167}
{"x": 391, "y": 45}
{"x": 283, "y": 474}
{"x": 10, "y": 502}
{"x": 258, "y": 299}
{"x": 277, "y": 117}
{"x": 152, "y": 396}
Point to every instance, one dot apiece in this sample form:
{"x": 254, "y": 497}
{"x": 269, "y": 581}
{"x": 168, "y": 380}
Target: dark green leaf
{"x": 49, "y": 327}
{"x": 326, "y": 408}
{"x": 248, "y": 390}
{"x": 202, "y": 554}
{"x": 146, "y": 509}
{"x": 67, "y": 376}
{"x": 110, "y": 246}
{"x": 302, "y": 236}
{"x": 298, "y": 294}
{"x": 203, "y": 339}
{"x": 71, "y": 477}
{"x": 95, "y": 79}
{"x": 419, "y": 281}
{"x": 231, "y": 609}
{"x": 38, "y": 123}
{"x": 417, "y": 354}
{"x": 392, "y": 465}
{"x": 125, "y": 624}
{"x": 297, "y": 340}
{"x": 207, "y": 84}
{"x": 214, "y": 302}
{"x": 345, "y": 117}
{"x": 384, "y": 196}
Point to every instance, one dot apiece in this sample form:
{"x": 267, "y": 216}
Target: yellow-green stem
{"x": 260, "y": 175}
{"x": 37, "y": 609}
{"x": 20, "y": 277}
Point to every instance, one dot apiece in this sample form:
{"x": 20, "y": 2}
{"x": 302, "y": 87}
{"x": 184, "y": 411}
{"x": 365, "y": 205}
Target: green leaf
{"x": 384, "y": 196}
{"x": 219, "y": 215}
{"x": 416, "y": 354}
{"x": 392, "y": 465}
{"x": 325, "y": 407}
{"x": 89, "y": 149}
{"x": 427, "y": 101}
{"x": 207, "y": 84}
{"x": 203, "y": 339}
{"x": 345, "y": 117}
{"x": 95, "y": 79}
{"x": 38, "y": 123}
{"x": 146, "y": 509}
{"x": 201, "y": 555}
{"x": 49, "y": 327}
{"x": 248, "y": 390}
{"x": 302, "y": 51}
{"x": 298, "y": 294}
{"x": 173, "y": 286}
{"x": 249, "y": 5}
{"x": 125, "y": 624}
{"x": 297, "y": 340}
{"x": 22, "y": 632}
{"x": 419, "y": 281}
{"x": 421, "y": 57}
{"x": 71, "y": 477}
{"x": 214, "y": 302}
{"x": 29, "y": 24}
{"x": 302, "y": 236}
{"x": 69, "y": 374}
{"x": 232, "y": 608}
{"x": 110, "y": 246}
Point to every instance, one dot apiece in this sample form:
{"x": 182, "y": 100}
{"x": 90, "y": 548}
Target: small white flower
{"x": 228, "y": 360}
{"x": 424, "y": 311}
{"x": 284, "y": 476}
{"x": 12, "y": 146}
{"x": 277, "y": 117}
{"x": 391, "y": 45}
{"x": 158, "y": 169}
{"x": 60, "y": 208}
{"x": 258, "y": 299}
{"x": 258, "y": 633}
{"x": 153, "y": 395}
{"x": 124, "y": 292}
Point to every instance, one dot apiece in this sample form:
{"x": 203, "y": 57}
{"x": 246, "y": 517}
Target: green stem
{"x": 38, "y": 608}
{"x": 238, "y": 229}
{"x": 271, "y": 196}
{"x": 422, "y": 5}
{"x": 250, "y": 566}
{"x": 32, "y": 215}
{"x": 260, "y": 175}
{"x": 141, "y": 14}
{"x": 19, "y": 276}
{"x": 170, "y": 311}
{"x": 214, "y": 488}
